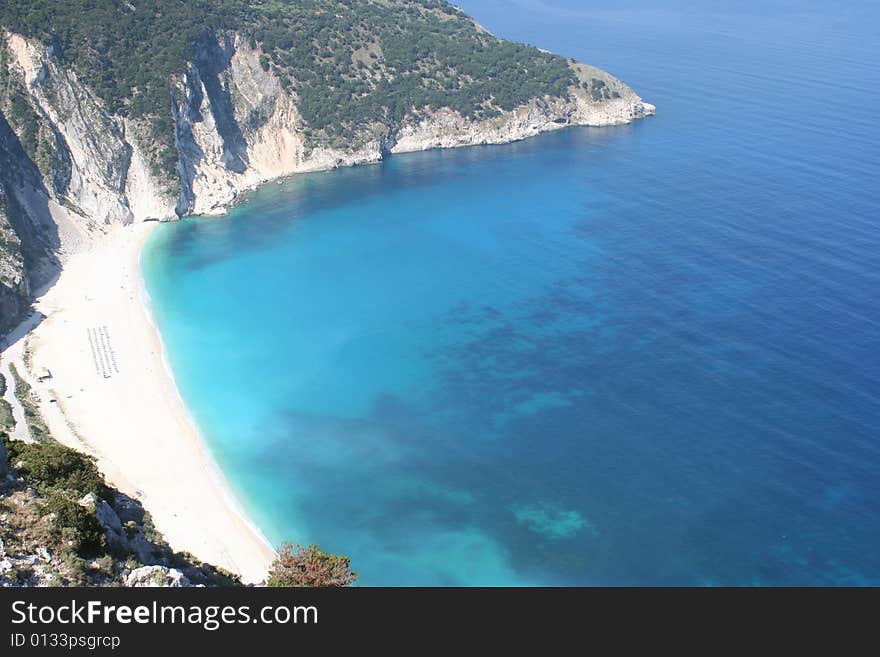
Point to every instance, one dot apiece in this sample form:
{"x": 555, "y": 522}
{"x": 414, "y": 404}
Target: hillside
{"x": 121, "y": 111}
{"x": 116, "y": 111}
{"x": 62, "y": 525}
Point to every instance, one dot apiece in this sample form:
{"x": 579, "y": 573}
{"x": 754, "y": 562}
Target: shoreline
{"x": 213, "y": 468}
{"x": 178, "y": 481}
{"x": 134, "y": 420}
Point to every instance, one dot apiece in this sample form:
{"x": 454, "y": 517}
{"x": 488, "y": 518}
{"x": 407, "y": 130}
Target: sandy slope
{"x": 133, "y": 420}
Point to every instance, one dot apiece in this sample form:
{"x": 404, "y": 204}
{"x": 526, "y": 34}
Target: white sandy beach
{"x": 133, "y": 420}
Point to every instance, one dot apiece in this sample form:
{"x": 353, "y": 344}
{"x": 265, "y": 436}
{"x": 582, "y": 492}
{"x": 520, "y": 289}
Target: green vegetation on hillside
{"x": 46, "y": 510}
{"x": 11, "y": 256}
{"x": 7, "y": 421}
{"x": 53, "y": 468}
{"x": 32, "y": 416}
{"x": 350, "y": 62}
{"x": 33, "y": 131}
{"x": 63, "y": 476}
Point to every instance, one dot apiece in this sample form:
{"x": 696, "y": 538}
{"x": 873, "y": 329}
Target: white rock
{"x": 156, "y": 576}
{"x": 103, "y": 512}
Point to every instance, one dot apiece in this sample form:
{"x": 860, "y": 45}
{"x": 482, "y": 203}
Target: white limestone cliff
{"x": 235, "y": 127}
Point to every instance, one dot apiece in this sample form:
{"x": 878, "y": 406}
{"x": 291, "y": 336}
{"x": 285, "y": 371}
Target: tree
{"x": 296, "y": 565}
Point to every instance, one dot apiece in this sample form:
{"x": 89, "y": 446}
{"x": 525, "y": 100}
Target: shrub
{"x": 77, "y": 525}
{"x": 309, "y": 566}
{"x": 52, "y": 467}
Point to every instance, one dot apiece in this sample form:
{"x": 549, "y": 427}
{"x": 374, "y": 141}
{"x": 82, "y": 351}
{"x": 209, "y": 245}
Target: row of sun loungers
{"x": 102, "y": 352}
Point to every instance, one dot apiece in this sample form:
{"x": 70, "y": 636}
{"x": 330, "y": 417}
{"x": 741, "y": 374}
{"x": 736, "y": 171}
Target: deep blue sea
{"x": 637, "y": 355}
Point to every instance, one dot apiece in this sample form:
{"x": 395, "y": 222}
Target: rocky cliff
{"x": 71, "y": 167}
{"x": 14, "y": 288}
{"x": 61, "y": 525}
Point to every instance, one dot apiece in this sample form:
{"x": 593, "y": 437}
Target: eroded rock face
{"x": 34, "y": 553}
{"x": 118, "y": 536}
{"x": 235, "y": 126}
{"x": 156, "y": 576}
{"x": 14, "y": 286}
{"x": 103, "y": 512}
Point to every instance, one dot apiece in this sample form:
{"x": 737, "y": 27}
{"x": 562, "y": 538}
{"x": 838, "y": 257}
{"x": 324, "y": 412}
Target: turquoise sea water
{"x": 637, "y": 355}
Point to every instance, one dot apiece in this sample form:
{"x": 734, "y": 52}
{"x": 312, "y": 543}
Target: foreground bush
{"x": 52, "y": 467}
{"x": 309, "y": 566}
{"x": 76, "y": 526}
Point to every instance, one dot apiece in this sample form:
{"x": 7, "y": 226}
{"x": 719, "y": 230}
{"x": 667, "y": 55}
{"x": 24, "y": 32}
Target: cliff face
{"x": 111, "y": 542}
{"x": 4, "y": 465}
{"x": 71, "y": 167}
{"x": 14, "y": 287}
